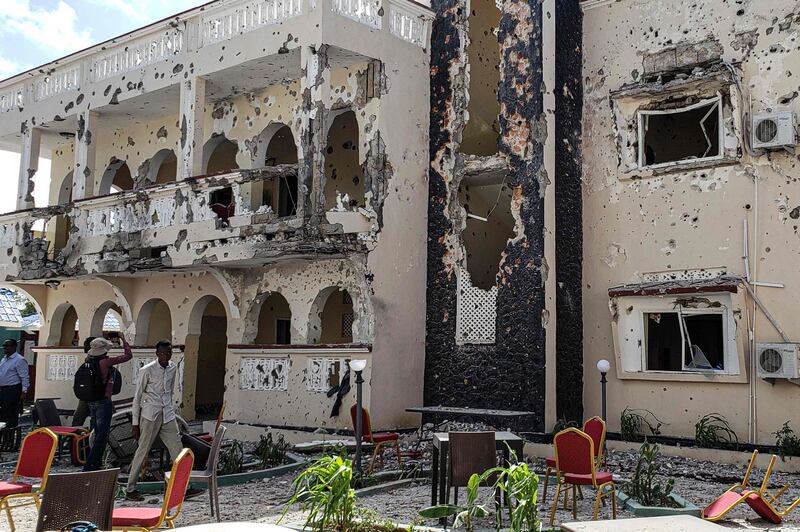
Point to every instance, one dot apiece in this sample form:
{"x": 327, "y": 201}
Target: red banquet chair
{"x": 595, "y": 427}
{"x": 379, "y": 439}
{"x": 35, "y": 459}
{"x": 576, "y": 466}
{"x": 147, "y": 518}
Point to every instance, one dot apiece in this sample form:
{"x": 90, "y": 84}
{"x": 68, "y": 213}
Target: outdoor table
{"x": 441, "y": 445}
{"x": 481, "y": 413}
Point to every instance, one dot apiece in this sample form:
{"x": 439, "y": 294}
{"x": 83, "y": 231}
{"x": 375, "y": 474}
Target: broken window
{"x": 691, "y": 133}
{"x": 221, "y": 202}
{"x": 482, "y": 128}
{"x": 684, "y": 341}
{"x": 344, "y": 177}
{"x": 489, "y": 226}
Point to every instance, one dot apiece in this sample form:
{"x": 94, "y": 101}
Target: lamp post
{"x": 603, "y": 366}
{"x": 357, "y": 366}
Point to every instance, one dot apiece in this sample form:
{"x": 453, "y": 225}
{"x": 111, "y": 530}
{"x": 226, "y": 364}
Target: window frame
{"x": 641, "y": 117}
{"x": 726, "y": 356}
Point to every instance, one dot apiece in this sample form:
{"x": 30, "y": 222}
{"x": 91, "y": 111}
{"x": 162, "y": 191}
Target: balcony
{"x": 184, "y": 224}
{"x": 203, "y": 41}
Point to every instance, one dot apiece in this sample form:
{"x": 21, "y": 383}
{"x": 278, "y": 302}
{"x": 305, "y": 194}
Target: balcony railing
{"x": 407, "y": 20}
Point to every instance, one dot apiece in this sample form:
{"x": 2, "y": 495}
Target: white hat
{"x": 99, "y": 347}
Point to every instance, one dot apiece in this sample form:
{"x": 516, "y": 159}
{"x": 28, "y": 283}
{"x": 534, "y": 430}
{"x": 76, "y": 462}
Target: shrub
{"x": 714, "y": 432}
{"x": 643, "y": 486}
{"x": 231, "y": 460}
{"x": 788, "y": 443}
{"x": 271, "y": 452}
{"x": 636, "y": 425}
{"x": 466, "y": 514}
{"x": 325, "y": 491}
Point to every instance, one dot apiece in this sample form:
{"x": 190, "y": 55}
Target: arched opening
{"x": 107, "y": 321}
{"x": 219, "y": 155}
{"x": 332, "y": 317}
{"x": 274, "y": 321}
{"x": 208, "y": 323}
{"x": 61, "y": 223}
{"x": 275, "y": 146}
{"x": 344, "y": 177}
{"x": 64, "y": 327}
{"x": 162, "y": 168}
{"x": 153, "y": 323}
{"x": 116, "y": 178}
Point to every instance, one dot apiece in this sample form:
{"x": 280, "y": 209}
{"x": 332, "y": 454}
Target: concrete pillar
{"x": 85, "y": 155}
{"x": 193, "y": 98}
{"x": 28, "y": 166}
{"x": 315, "y": 85}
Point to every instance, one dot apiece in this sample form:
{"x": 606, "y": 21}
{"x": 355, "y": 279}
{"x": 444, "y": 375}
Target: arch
{"x": 116, "y": 176}
{"x": 97, "y": 328}
{"x": 219, "y": 155}
{"x": 163, "y": 167}
{"x": 27, "y": 294}
{"x": 153, "y": 323}
{"x": 206, "y": 349}
{"x": 270, "y": 320}
{"x": 61, "y": 331}
{"x": 332, "y": 317}
{"x": 343, "y": 172}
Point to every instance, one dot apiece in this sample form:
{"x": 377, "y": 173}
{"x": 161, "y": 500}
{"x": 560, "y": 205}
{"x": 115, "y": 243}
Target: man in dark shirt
{"x": 102, "y": 410}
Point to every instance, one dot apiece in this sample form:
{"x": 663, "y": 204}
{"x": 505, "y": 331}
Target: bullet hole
{"x": 795, "y": 213}
{"x": 747, "y": 207}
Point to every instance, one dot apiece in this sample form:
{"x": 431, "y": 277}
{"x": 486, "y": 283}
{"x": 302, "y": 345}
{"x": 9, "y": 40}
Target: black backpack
{"x": 89, "y": 384}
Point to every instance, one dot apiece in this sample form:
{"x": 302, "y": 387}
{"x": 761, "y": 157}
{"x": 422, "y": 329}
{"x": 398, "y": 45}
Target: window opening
{"x": 692, "y": 133}
{"x": 684, "y": 341}
{"x": 222, "y": 203}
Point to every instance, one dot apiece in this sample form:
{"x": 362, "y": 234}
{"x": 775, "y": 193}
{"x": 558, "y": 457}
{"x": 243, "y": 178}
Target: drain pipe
{"x": 750, "y": 336}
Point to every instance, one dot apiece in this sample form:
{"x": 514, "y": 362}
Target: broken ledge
{"x": 678, "y": 167}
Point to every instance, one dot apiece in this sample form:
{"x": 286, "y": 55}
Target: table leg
{"x": 434, "y": 475}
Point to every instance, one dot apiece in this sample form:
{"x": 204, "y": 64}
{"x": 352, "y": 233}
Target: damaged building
{"x": 245, "y": 179}
{"x": 482, "y": 198}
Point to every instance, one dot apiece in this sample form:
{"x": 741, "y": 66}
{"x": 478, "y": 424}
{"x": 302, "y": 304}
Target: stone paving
{"x": 264, "y": 500}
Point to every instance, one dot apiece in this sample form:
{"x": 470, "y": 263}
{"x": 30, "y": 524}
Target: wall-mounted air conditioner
{"x": 778, "y": 361}
{"x": 773, "y": 130}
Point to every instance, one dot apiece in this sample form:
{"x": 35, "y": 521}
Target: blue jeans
{"x": 101, "y": 422}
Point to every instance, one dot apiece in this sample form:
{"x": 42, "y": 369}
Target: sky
{"x": 34, "y": 32}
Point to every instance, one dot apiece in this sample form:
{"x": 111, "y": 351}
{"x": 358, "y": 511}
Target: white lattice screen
{"x": 264, "y": 374}
{"x": 61, "y": 367}
{"x": 323, "y": 372}
{"x": 476, "y": 312}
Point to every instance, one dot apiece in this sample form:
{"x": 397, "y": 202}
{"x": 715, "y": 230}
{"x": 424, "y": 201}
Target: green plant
{"x": 466, "y": 514}
{"x": 787, "y": 441}
{"x": 714, "y": 432}
{"x": 521, "y": 485}
{"x": 231, "y": 460}
{"x": 271, "y": 452}
{"x": 324, "y": 490}
{"x": 637, "y": 424}
{"x": 643, "y": 486}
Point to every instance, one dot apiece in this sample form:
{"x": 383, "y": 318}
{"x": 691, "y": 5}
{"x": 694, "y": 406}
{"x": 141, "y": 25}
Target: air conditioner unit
{"x": 773, "y": 130}
{"x": 778, "y": 361}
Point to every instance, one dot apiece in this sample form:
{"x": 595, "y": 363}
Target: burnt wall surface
{"x": 509, "y": 374}
{"x": 568, "y": 210}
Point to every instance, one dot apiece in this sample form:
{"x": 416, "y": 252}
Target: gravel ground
{"x": 264, "y": 500}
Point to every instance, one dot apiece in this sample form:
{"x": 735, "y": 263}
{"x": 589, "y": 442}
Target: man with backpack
{"x": 95, "y": 382}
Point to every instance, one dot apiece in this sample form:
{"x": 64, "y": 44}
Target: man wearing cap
{"x": 14, "y": 382}
{"x": 102, "y": 410}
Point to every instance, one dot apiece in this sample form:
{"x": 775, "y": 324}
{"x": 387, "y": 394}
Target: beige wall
{"x": 690, "y": 218}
